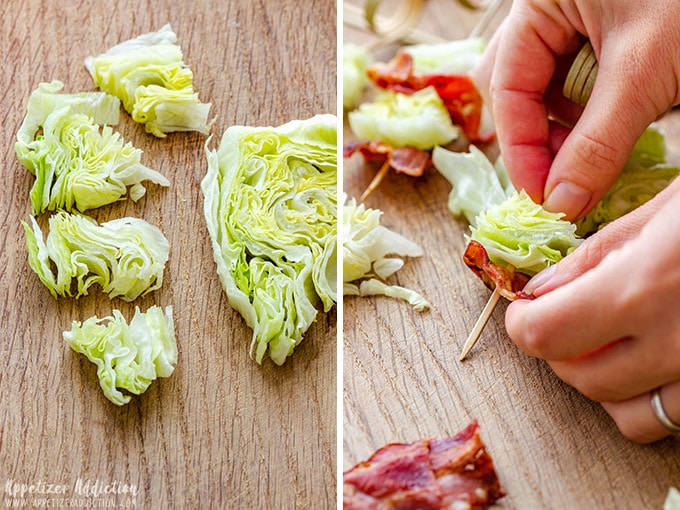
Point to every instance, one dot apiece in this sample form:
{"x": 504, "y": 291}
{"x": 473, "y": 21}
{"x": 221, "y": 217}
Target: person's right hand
{"x": 638, "y": 49}
{"x": 605, "y": 317}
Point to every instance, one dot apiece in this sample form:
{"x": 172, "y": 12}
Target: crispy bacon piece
{"x": 407, "y": 160}
{"x": 428, "y": 474}
{"x": 509, "y": 283}
{"x": 459, "y": 94}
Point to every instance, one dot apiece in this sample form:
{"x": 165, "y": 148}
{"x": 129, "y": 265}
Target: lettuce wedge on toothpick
{"x": 417, "y": 120}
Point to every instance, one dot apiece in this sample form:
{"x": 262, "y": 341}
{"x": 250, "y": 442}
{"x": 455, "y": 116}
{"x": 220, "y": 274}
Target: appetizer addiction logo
{"x": 84, "y": 493}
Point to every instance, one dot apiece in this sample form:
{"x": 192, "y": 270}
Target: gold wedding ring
{"x": 660, "y": 413}
{"x": 581, "y": 78}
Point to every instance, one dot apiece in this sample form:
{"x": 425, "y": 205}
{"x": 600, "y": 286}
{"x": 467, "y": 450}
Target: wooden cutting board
{"x": 552, "y": 447}
{"x": 222, "y": 431}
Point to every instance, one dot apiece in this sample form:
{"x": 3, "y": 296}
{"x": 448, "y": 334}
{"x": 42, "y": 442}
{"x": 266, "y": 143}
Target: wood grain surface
{"x": 222, "y": 431}
{"x": 553, "y": 448}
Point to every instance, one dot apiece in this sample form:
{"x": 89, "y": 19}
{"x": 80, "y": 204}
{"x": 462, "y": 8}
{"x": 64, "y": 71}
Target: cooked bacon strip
{"x": 509, "y": 283}
{"x": 407, "y": 160}
{"x": 458, "y": 92}
{"x": 428, "y": 474}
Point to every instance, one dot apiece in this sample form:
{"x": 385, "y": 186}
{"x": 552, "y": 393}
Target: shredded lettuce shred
{"x": 520, "y": 233}
{"x": 128, "y": 356}
{"x": 76, "y": 165}
{"x": 371, "y": 250}
{"x": 417, "y": 120}
{"x": 452, "y": 57}
{"x": 355, "y": 61}
{"x": 148, "y": 74}
{"x": 645, "y": 174}
{"x": 126, "y": 256}
{"x": 271, "y": 211}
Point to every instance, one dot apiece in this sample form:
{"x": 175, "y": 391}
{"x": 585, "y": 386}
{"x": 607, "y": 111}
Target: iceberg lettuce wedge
{"x": 417, "y": 120}
{"x": 128, "y": 356}
{"x": 271, "y": 211}
{"x": 148, "y": 74}
{"x": 77, "y": 165}
{"x": 370, "y": 250}
{"x": 521, "y": 234}
{"x": 125, "y": 257}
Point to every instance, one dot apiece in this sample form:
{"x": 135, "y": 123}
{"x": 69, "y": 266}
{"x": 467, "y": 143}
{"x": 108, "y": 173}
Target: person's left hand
{"x": 607, "y": 317}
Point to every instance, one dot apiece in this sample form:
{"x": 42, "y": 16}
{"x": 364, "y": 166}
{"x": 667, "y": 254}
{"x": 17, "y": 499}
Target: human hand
{"x": 522, "y": 73}
{"x": 606, "y": 317}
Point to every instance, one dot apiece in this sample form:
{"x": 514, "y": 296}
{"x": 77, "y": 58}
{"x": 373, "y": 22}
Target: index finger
{"x": 524, "y": 66}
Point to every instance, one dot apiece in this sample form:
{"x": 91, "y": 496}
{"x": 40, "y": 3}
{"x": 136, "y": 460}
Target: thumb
{"x": 595, "y": 151}
{"x": 596, "y": 247}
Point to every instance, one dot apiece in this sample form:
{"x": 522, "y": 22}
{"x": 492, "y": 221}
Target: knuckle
{"x": 593, "y": 152}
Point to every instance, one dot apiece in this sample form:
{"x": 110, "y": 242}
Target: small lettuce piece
{"x": 76, "y": 165}
{"x": 355, "y": 61}
{"x": 451, "y": 57}
{"x": 645, "y": 174}
{"x": 103, "y": 108}
{"x": 477, "y": 183}
{"x": 128, "y": 356}
{"x": 126, "y": 256}
{"x": 369, "y": 250}
{"x": 521, "y": 234}
{"x": 417, "y": 120}
{"x": 672, "y": 501}
{"x": 148, "y": 74}
{"x": 271, "y": 211}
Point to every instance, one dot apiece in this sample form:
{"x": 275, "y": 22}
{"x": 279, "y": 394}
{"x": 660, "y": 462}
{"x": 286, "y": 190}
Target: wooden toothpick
{"x": 481, "y": 322}
{"x": 376, "y": 180}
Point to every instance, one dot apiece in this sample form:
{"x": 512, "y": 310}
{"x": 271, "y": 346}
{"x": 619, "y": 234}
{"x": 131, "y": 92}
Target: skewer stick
{"x": 376, "y": 180}
{"x": 479, "y": 325}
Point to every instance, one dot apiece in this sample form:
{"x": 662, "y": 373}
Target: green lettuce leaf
{"x": 520, "y": 233}
{"x": 370, "y": 250}
{"x": 417, "y": 120}
{"x": 355, "y": 61}
{"x": 271, "y": 211}
{"x": 148, "y": 74}
{"x": 477, "y": 184}
{"x": 645, "y": 174}
{"x": 126, "y": 256}
{"x": 452, "y": 57}
{"x": 76, "y": 165}
{"x": 129, "y": 357}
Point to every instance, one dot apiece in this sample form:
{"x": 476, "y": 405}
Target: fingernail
{"x": 567, "y": 198}
{"x": 539, "y": 279}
